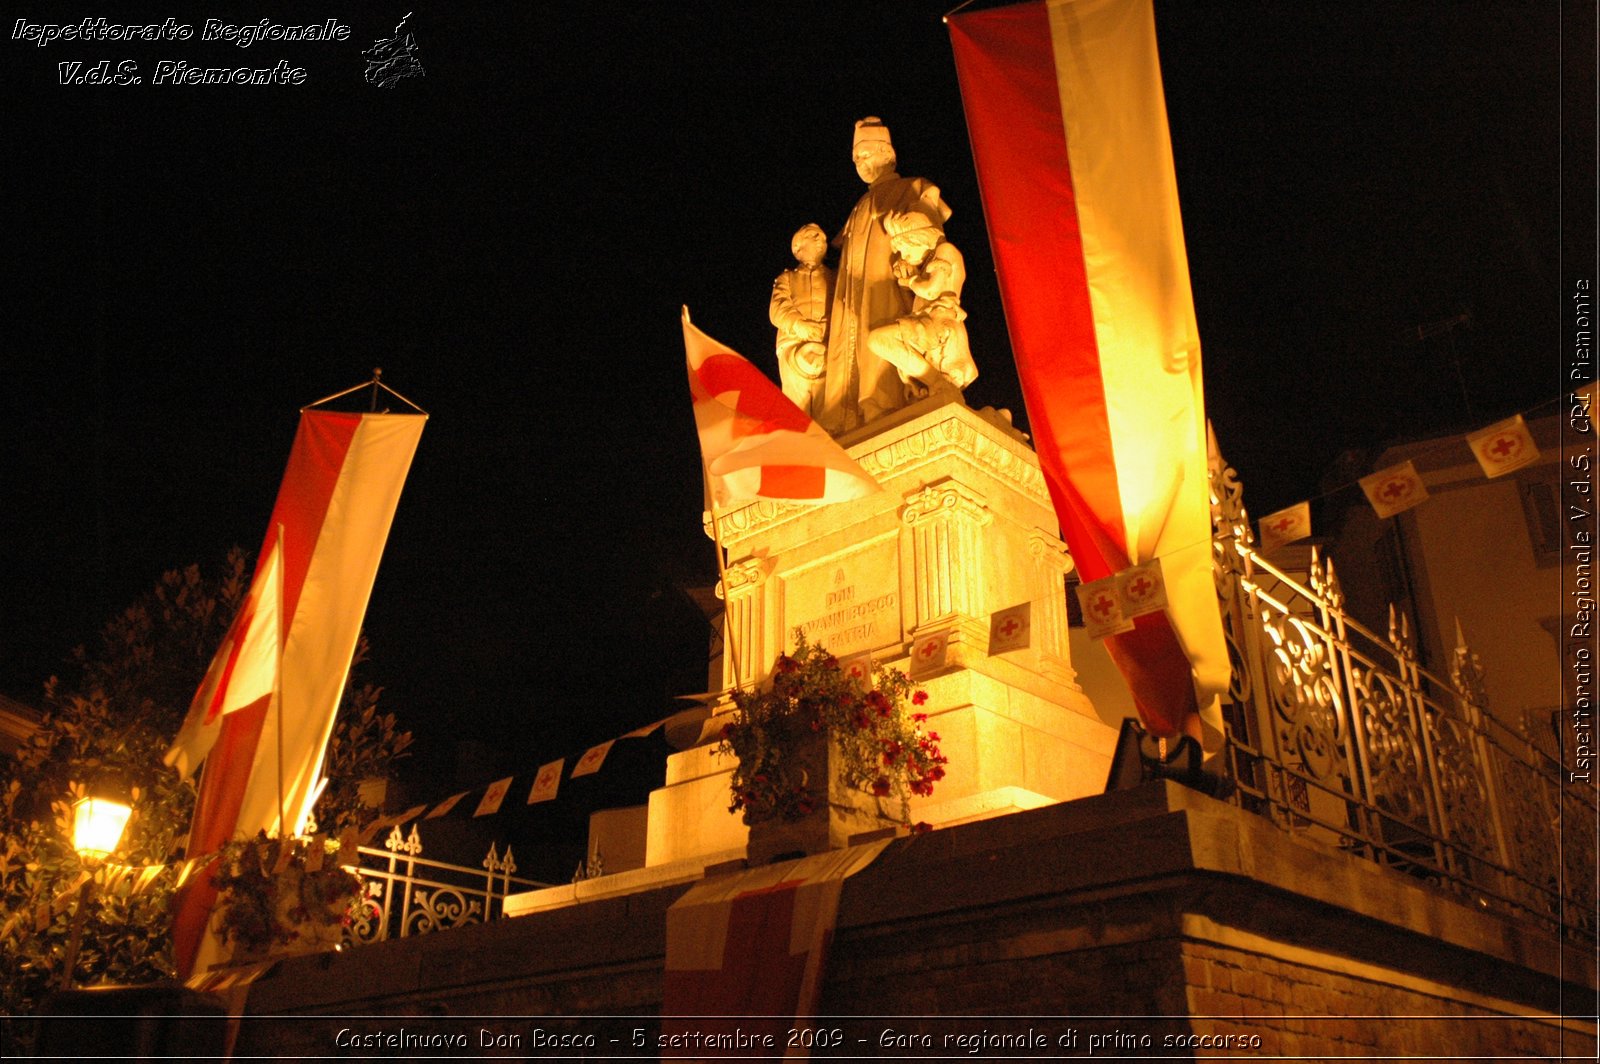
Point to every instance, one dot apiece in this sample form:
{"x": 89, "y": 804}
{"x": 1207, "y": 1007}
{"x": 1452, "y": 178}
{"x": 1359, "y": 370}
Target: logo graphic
{"x": 393, "y": 58}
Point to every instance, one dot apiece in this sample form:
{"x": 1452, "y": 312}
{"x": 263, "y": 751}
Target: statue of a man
{"x": 799, "y": 309}
{"x": 859, "y": 385}
{"x": 929, "y": 345}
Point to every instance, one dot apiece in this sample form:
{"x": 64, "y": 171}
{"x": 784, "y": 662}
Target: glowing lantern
{"x": 97, "y": 825}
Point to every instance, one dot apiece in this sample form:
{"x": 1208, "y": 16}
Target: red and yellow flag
{"x": 1069, "y": 132}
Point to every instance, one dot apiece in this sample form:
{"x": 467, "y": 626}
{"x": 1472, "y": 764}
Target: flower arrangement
{"x": 883, "y": 751}
{"x": 274, "y": 892}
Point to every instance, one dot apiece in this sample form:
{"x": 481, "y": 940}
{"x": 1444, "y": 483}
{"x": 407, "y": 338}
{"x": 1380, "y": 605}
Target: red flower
{"x": 787, "y": 664}
{"x": 920, "y": 698}
{"x": 876, "y": 700}
{"x": 880, "y": 786}
{"x": 921, "y": 827}
{"x": 891, "y": 751}
{"x": 919, "y": 717}
{"x": 727, "y": 731}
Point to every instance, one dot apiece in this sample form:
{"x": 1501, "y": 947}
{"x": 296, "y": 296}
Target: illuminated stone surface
{"x": 963, "y": 527}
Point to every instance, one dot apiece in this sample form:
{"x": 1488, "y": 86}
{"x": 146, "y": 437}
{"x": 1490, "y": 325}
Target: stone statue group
{"x": 887, "y": 329}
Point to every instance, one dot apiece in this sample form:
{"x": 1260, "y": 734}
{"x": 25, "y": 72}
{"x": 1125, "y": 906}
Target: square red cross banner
{"x": 1102, "y": 608}
{"x": 493, "y": 797}
{"x": 1142, "y": 589}
{"x": 1009, "y": 628}
{"x": 1286, "y": 526}
{"x": 1394, "y": 490}
{"x": 858, "y": 667}
{"x": 930, "y": 653}
{"x": 1503, "y": 447}
{"x": 547, "y": 782}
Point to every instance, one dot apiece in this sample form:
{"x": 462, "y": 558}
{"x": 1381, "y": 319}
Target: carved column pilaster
{"x": 1051, "y": 564}
{"x": 743, "y": 622}
{"x": 946, "y": 523}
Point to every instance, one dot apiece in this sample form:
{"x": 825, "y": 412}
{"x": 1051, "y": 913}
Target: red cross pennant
{"x": 546, "y": 783}
{"x": 590, "y": 761}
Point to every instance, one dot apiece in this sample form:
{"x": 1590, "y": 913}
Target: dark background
{"x": 510, "y": 238}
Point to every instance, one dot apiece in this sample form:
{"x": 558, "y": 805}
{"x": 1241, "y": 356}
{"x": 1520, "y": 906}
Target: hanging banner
{"x": 334, "y": 509}
{"x": 1069, "y": 133}
{"x": 1394, "y": 490}
{"x": 1010, "y": 628}
{"x": 1503, "y": 447}
{"x": 1287, "y": 525}
{"x": 493, "y": 797}
{"x": 930, "y": 652}
{"x": 1102, "y": 608}
{"x": 1142, "y": 589}
{"x": 592, "y": 759}
{"x": 547, "y": 782}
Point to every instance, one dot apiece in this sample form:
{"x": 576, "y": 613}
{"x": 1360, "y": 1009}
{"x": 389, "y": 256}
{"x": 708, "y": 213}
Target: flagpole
{"x": 722, "y": 574}
{"x": 277, "y": 688}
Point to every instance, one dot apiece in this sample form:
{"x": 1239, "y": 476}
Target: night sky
{"x": 510, "y": 237}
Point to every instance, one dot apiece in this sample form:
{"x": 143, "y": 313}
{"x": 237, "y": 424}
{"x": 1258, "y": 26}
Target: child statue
{"x": 929, "y": 347}
{"x": 799, "y": 308}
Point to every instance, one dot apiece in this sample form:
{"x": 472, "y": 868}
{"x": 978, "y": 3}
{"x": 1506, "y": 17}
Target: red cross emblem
{"x": 1010, "y": 626}
{"x": 546, "y": 778}
{"x": 930, "y": 648}
{"x": 1141, "y": 587}
{"x": 1283, "y": 524}
{"x": 495, "y": 793}
{"x": 592, "y": 758}
{"x": 1396, "y": 489}
{"x": 1504, "y": 446}
{"x": 1103, "y": 606}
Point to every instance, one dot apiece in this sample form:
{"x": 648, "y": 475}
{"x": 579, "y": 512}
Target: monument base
{"x": 963, "y": 528}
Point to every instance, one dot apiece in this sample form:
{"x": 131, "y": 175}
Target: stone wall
{"x": 1150, "y": 914}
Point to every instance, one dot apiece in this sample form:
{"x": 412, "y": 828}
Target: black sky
{"x": 511, "y": 235}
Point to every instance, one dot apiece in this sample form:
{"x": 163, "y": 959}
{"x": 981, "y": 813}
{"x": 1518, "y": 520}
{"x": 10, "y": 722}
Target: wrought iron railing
{"x": 1339, "y": 733}
{"x": 407, "y": 894}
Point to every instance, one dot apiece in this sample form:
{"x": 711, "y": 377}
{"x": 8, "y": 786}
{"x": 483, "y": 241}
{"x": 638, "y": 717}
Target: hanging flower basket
{"x": 282, "y": 897}
{"x": 823, "y": 756}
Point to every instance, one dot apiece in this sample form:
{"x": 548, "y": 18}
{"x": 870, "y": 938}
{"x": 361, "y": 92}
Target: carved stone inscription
{"x": 849, "y": 604}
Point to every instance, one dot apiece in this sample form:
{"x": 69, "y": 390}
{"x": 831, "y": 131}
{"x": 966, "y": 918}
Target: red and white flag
{"x": 1394, "y": 490}
{"x": 244, "y": 670}
{"x": 1285, "y": 526}
{"x": 330, "y": 521}
{"x": 747, "y": 953}
{"x": 493, "y": 797}
{"x": 1009, "y": 628}
{"x": 592, "y": 759}
{"x": 755, "y": 442}
{"x": 547, "y": 782}
{"x": 1503, "y": 447}
{"x": 1069, "y": 132}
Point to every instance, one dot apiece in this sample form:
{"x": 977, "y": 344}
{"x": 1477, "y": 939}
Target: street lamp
{"x": 97, "y": 826}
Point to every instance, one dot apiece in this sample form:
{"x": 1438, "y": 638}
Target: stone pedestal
{"x": 963, "y": 527}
